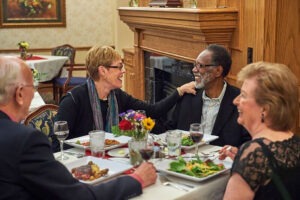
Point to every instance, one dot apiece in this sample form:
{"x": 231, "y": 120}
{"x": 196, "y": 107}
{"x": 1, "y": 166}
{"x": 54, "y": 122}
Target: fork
{"x": 76, "y": 154}
{"x": 166, "y": 182}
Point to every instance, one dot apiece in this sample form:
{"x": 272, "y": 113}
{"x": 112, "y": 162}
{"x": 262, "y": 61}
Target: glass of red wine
{"x": 148, "y": 150}
{"x": 196, "y": 133}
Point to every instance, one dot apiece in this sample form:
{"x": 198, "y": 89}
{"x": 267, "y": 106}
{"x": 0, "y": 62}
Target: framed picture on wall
{"x": 32, "y": 13}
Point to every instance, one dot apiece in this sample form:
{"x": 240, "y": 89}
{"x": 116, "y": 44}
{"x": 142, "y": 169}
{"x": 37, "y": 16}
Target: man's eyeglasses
{"x": 199, "y": 65}
{"x": 35, "y": 87}
{"x": 117, "y": 67}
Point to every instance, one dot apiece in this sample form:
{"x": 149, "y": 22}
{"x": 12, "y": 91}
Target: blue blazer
{"x": 189, "y": 110}
{"x": 28, "y": 170}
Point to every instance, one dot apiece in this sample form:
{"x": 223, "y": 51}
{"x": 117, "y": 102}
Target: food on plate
{"x": 88, "y": 172}
{"x": 121, "y": 152}
{"x": 108, "y": 142}
{"x": 187, "y": 140}
{"x": 197, "y": 168}
{"x": 82, "y": 143}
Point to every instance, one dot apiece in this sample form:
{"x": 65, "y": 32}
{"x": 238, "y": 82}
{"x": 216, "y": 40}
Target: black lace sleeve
{"x": 252, "y": 165}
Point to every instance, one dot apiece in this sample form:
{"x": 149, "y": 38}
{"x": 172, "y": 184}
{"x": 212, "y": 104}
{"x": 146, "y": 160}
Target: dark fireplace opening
{"x": 163, "y": 75}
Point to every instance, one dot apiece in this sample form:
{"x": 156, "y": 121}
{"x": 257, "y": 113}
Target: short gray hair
{"x": 10, "y": 75}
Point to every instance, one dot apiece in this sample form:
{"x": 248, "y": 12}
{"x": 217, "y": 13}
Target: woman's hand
{"x": 146, "y": 171}
{"x": 187, "y": 88}
{"x": 228, "y": 151}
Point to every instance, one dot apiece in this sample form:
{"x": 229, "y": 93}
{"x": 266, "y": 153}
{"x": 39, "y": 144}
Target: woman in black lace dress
{"x": 268, "y": 109}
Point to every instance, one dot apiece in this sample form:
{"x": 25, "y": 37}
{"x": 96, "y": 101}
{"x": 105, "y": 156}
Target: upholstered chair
{"x": 43, "y": 119}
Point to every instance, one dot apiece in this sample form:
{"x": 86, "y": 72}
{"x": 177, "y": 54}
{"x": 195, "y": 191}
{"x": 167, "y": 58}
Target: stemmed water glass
{"x": 196, "y": 133}
{"x": 148, "y": 151}
{"x": 61, "y": 131}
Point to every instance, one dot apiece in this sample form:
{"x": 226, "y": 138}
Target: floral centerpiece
{"x": 134, "y": 124}
{"x": 23, "y": 47}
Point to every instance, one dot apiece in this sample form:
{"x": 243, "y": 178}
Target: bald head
{"x": 14, "y": 76}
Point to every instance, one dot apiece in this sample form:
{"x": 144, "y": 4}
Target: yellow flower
{"x": 23, "y": 44}
{"x": 148, "y": 123}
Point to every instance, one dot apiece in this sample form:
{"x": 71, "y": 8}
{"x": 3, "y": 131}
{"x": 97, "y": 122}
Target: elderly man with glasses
{"x": 213, "y": 104}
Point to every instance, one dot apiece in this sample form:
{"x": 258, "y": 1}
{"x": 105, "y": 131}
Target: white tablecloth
{"x": 49, "y": 67}
{"x": 36, "y": 102}
{"x": 210, "y": 189}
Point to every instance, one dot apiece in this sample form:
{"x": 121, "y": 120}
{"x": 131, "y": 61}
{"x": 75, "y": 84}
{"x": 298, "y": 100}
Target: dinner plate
{"x": 118, "y": 152}
{"x": 206, "y": 138}
{"x": 73, "y": 142}
{"x": 115, "y": 168}
{"x": 164, "y": 165}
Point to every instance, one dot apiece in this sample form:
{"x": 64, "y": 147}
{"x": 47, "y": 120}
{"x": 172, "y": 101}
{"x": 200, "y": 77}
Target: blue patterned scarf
{"x": 112, "y": 117}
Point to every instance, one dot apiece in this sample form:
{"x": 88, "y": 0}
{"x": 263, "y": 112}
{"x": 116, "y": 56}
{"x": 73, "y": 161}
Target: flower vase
{"x": 23, "y": 53}
{"x": 194, "y": 3}
{"x": 134, "y": 3}
{"x": 134, "y": 147}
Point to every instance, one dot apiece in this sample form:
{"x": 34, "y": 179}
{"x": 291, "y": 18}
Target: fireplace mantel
{"x": 179, "y": 33}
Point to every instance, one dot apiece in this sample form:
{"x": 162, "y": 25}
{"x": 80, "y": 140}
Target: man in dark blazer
{"x": 28, "y": 169}
{"x": 213, "y": 103}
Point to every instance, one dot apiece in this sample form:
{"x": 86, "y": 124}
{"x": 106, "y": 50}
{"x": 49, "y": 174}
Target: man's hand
{"x": 146, "y": 171}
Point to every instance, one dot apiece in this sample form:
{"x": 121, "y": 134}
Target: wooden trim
{"x": 42, "y": 49}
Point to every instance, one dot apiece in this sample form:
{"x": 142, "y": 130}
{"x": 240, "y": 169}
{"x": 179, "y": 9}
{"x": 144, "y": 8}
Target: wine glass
{"x": 196, "y": 133}
{"x": 148, "y": 150}
{"x": 61, "y": 131}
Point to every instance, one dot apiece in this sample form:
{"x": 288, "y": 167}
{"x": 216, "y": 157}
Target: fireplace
{"x": 177, "y": 33}
{"x": 163, "y": 75}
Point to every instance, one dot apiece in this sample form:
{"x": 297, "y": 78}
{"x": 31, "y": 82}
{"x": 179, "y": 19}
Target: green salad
{"x": 196, "y": 168}
{"x": 187, "y": 141}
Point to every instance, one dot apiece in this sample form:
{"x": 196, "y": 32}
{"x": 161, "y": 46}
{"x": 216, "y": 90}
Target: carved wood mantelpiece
{"x": 180, "y": 33}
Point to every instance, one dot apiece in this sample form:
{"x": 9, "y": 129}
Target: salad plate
{"x": 114, "y": 168}
{"x": 83, "y": 141}
{"x": 164, "y": 166}
{"x": 118, "y": 152}
{"x": 206, "y": 138}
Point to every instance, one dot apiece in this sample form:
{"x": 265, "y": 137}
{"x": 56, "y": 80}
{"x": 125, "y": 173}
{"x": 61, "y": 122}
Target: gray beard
{"x": 200, "y": 85}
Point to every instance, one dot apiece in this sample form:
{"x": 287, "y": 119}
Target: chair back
{"x": 62, "y": 84}
{"x": 43, "y": 119}
{"x": 65, "y": 50}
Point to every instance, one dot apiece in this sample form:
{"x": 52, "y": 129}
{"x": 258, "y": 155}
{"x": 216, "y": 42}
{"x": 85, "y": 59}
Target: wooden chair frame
{"x": 58, "y": 90}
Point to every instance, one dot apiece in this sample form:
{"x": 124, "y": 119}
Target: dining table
{"x": 212, "y": 188}
{"x": 36, "y": 102}
{"x": 47, "y": 66}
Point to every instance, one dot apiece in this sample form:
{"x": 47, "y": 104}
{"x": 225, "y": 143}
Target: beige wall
{"x": 123, "y": 35}
{"x": 89, "y": 22}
